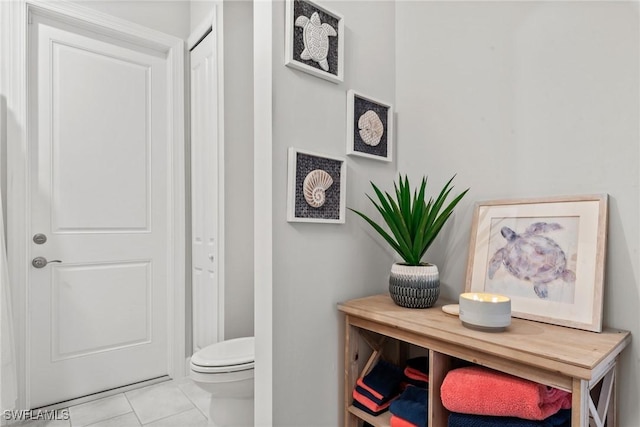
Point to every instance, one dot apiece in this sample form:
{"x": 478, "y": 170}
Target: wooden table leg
{"x": 612, "y": 413}
{"x": 580, "y": 403}
{"x": 350, "y": 370}
{"x": 606, "y": 403}
{"x": 439, "y": 365}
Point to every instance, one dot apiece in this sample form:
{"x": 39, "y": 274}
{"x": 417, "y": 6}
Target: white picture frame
{"x": 303, "y": 207}
{"x": 366, "y": 117}
{"x": 298, "y": 16}
{"x": 547, "y": 255}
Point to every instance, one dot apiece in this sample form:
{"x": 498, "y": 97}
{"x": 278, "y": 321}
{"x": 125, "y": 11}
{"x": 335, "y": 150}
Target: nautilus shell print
{"x": 371, "y": 128}
{"x": 314, "y": 186}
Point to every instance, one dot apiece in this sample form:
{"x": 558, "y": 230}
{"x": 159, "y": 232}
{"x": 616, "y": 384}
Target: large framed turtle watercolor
{"x": 547, "y": 255}
{"x": 314, "y": 40}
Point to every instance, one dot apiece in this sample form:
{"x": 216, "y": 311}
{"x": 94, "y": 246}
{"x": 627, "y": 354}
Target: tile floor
{"x": 168, "y": 404}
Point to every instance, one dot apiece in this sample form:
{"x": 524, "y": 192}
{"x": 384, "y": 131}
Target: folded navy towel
{"x": 420, "y": 363}
{"x": 416, "y": 383}
{"x": 416, "y": 371}
{"x": 415, "y": 377}
{"x": 411, "y": 406}
{"x": 561, "y": 419}
{"x": 367, "y": 410}
{"x": 385, "y": 378}
{"x": 366, "y": 393}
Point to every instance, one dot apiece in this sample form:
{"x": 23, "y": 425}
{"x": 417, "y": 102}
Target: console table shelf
{"x": 382, "y": 420}
{"x": 565, "y": 358}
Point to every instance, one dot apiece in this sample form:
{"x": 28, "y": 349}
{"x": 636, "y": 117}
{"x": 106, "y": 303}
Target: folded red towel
{"x": 373, "y": 406}
{"x": 482, "y": 391}
{"x": 400, "y": 422}
{"x": 369, "y": 389}
{"x": 415, "y": 374}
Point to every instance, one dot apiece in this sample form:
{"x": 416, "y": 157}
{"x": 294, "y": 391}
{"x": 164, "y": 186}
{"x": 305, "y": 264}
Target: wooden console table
{"x": 565, "y": 358}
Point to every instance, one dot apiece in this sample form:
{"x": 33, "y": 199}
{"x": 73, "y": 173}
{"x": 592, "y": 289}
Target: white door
{"x": 204, "y": 192}
{"x": 99, "y": 173}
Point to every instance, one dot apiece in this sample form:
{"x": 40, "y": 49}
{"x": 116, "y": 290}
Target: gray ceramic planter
{"x": 414, "y": 286}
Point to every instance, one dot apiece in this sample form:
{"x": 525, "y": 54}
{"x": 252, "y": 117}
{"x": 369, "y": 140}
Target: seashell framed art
{"x": 316, "y": 187}
{"x": 369, "y": 127}
{"x": 314, "y": 40}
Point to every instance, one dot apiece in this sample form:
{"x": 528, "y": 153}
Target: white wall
{"x": 528, "y": 99}
{"x": 171, "y": 16}
{"x": 238, "y": 126}
{"x": 315, "y": 266}
{"x": 200, "y": 10}
{"x": 237, "y": 38}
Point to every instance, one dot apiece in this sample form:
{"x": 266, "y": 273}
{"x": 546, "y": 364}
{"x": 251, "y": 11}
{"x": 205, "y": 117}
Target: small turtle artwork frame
{"x": 369, "y": 127}
{"x": 547, "y": 255}
{"x": 316, "y": 190}
{"x": 314, "y": 40}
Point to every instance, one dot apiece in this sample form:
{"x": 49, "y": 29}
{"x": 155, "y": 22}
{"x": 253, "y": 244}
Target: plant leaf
{"x": 418, "y": 207}
{"x": 404, "y": 201}
{"x": 390, "y": 217}
{"x": 399, "y": 221}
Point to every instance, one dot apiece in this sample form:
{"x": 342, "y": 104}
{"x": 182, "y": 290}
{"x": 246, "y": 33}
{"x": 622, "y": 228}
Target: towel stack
{"x": 560, "y": 418}
{"x": 373, "y": 392}
{"x": 482, "y": 397}
{"x": 410, "y": 408}
{"x": 416, "y": 371}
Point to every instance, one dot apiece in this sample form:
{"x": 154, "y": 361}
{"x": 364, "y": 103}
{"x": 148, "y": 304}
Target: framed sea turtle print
{"x": 369, "y": 127}
{"x": 547, "y": 255}
{"x": 316, "y": 187}
{"x": 314, "y": 40}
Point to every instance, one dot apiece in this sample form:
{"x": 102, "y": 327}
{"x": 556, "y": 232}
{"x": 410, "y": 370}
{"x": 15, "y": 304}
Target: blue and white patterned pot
{"x": 414, "y": 286}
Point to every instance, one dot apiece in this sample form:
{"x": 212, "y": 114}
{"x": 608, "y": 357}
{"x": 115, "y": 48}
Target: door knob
{"x": 40, "y": 261}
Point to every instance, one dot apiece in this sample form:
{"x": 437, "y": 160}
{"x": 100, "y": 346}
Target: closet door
{"x": 204, "y": 192}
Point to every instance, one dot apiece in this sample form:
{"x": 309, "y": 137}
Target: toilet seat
{"x": 233, "y": 355}
{"x": 221, "y": 369}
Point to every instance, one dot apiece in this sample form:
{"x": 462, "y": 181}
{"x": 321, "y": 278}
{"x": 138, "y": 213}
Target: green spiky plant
{"x": 414, "y": 223}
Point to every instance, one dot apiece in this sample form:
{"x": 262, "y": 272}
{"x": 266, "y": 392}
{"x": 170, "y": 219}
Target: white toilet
{"x": 225, "y": 370}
